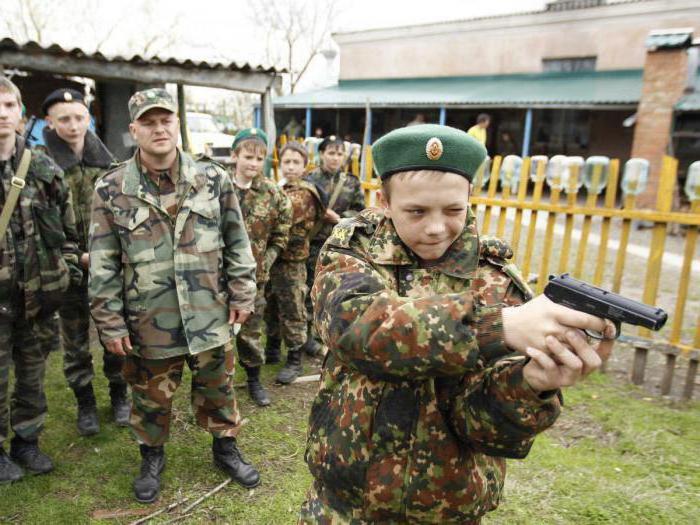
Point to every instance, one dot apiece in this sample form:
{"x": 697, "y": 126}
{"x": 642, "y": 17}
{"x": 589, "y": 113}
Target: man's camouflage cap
{"x": 249, "y": 134}
{"x": 427, "y": 147}
{"x": 62, "y": 95}
{"x": 142, "y": 101}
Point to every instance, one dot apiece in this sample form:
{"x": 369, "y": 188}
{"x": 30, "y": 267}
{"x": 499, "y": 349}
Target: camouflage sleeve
{"x": 106, "y": 278}
{"x": 502, "y": 415}
{"x": 380, "y": 333}
{"x": 357, "y": 198}
{"x": 239, "y": 264}
{"x": 70, "y": 249}
{"x": 279, "y": 236}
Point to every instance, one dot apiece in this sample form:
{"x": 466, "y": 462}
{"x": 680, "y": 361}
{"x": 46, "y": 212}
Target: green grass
{"x": 614, "y": 456}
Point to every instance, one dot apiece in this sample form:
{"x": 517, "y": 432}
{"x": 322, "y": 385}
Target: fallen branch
{"x": 159, "y": 512}
{"x": 207, "y": 495}
{"x": 307, "y": 379}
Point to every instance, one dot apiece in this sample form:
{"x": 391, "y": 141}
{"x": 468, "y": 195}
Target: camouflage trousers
{"x": 75, "y": 324}
{"x": 285, "y": 315}
{"x": 153, "y": 385}
{"x": 316, "y": 511}
{"x": 21, "y": 346}
{"x": 249, "y": 340}
{"x": 314, "y": 252}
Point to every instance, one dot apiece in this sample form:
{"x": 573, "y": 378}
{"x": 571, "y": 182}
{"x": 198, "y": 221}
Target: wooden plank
{"x": 622, "y": 247}
{"x": 610, "y": 194}
{"x": 249, "y": 81}
{"x": 639, "y": 365}
{"x": 493, "y": 186}
{"x": 669, "y": 369}
{"x": 690, "y": 379}
{"x": 684, "y": 279}
{"x": 522, "y": 194}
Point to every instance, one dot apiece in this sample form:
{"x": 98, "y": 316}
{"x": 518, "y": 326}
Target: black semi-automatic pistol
{"x": 584, "y": 297}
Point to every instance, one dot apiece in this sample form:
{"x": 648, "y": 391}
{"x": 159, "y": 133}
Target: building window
{"x": 568, "y": 65}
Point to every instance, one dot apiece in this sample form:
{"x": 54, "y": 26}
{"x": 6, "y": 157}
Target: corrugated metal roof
{"x": 594, "y": 88}
{"x": 671, "y": 40}
{"x": 689, "y": 102}
{"x": 31, "y": 47}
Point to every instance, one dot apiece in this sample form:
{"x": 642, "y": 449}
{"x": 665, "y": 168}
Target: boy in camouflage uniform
{"x": 433, "y": 375}
{"x": 38, "y": 260}
{"x": 268, "y": 215}
{"x": 170, "y": 272}
{"x": 345, "y": 199}
{"x": 83, "y": 158}
{"x": 286, "y": 309}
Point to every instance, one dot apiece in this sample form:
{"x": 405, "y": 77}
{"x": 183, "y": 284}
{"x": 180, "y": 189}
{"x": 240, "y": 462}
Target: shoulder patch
{"x": 347, "y": 228}
{"x": 499, "y": 253}
{"x": 494, "y": 247}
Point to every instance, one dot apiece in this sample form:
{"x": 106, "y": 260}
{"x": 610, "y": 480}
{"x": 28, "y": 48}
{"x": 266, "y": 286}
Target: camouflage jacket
{"x": 39, "y": 255}
{"x": 307, "y": 211}
{"x": 349, "y": 203}
{"x": 268, "y": 215}
{"x": 420, "y": 400}
{"x": 166, "y": 283}
{"x": 80, "y": 175}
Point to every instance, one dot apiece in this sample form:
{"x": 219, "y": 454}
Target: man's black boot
{"x": 121, "y": 409}
{"x": 26, "y": 454}
{"x": 256, "y": 391}
{"x": 292, "y": 369}
{"x": 88, "y": 424}
{"x": 147, "y": 484}
{"x": 229, "y": 459}
{"x": 272, "y": 350}
{"x": 9, "y": 470}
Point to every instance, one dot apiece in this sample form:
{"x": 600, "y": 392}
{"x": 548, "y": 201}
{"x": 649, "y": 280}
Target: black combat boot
{"x": 272, "y": 350}
{"x": 256, "y": 391}
{"x": 292, "y": 369}
{"x": 229, "y": 459}
{"x": 312, "y": 347}
{"x": 9, "y": 470}
{"x": 88, "y": 424}
{"x": 147, "y": 485}
{"x": 121, "y": 409}
{"x": 26, "y": 453}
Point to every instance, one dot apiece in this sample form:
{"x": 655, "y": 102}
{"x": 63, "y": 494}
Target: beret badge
{"x": 67, "y": 96}
{"x": 433, "y": 148}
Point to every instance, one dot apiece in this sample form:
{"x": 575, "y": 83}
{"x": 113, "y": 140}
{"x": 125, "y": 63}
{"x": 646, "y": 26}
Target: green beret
{"x": 249, "y": 134}
{"x": 427, "y": 147}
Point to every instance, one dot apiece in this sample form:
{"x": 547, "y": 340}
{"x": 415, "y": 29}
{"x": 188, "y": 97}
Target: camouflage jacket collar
{"x": 460, "y": 260}
{"x": 135, "y": 185}
{"x": 35, "y": 169}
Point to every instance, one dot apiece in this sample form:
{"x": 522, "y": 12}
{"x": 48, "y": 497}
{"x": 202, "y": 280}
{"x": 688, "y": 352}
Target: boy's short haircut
{"x": 482, "y": 117}
{"x": 252, "y": 146}
{"x": 296, "y": 147}
{"x": 7, "y": 86}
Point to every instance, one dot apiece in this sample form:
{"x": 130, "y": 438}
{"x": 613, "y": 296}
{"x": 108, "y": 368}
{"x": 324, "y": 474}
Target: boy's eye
{"x": 415, "y": 212}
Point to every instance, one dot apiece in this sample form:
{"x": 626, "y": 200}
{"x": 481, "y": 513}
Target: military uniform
{"x": 286, "y": 316}
{"x": 81, "y": 175}
{"x": 168, "y": 258}
{"x": 38, "y": 261}
{"x": 349, "y": 202}
{"x": 420, "y": 399}
{"x": 267, "y": 213}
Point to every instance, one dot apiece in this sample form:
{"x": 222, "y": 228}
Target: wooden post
{"x": 690, "y": 379}
{"x": 182, "y": 111}
{"x": 639, "y": 365}
{"x": 669, "y": 369}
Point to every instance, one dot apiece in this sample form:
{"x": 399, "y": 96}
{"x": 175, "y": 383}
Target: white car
{"x": 206, "y": 138}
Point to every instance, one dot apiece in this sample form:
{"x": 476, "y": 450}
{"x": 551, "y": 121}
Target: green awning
{"x": 610, "y": 89}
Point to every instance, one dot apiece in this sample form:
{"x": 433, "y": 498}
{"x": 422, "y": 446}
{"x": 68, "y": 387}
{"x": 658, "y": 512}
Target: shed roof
{"x": 609, "y": 89}
{"x": 55, "y": 59}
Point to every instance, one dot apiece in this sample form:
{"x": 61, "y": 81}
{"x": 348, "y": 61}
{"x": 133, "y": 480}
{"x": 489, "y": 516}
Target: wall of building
{"x": 614, "y": 33}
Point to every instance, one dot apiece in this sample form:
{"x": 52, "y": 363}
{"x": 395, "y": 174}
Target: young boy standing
{"x": 267, "y": 213}
{"x": 287, "y": 317}
{"x": 436, "y": 371}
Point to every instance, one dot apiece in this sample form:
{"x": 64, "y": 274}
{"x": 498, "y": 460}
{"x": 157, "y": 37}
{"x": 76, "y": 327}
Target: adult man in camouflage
{"x": 345, "y": 199}
{"x": 423, "y": 393}
{"x": 83, "y": 158}
{"x": 285, "y": 315}
{"x": 268, "y": 215}
{"x": 38, "y": 260}
{"x": 170, "y": 272}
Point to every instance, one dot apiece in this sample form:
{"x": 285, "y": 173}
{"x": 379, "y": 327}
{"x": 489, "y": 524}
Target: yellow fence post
{"x": 493, "y": 186}
{"x": 530, "y": 242}
{"x": 572, "y": 195}
{"x": 610, "y": 194}
{"x": 591, "y": 200}
{"x": 549, "y": 235}
{"x": 522, "y": 194}
{"x": 622, "y": 247}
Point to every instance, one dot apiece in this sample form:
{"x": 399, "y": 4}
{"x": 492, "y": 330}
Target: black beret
{"x": 331, "y": 140}
{"x": 62, "y": 95}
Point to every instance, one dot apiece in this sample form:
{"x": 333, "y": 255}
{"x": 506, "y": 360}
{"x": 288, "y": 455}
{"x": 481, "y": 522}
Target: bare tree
{"x": 297, "y": 31}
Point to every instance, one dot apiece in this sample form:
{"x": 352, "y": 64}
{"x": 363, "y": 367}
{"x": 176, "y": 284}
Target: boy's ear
{"x": 384, "y": 203}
